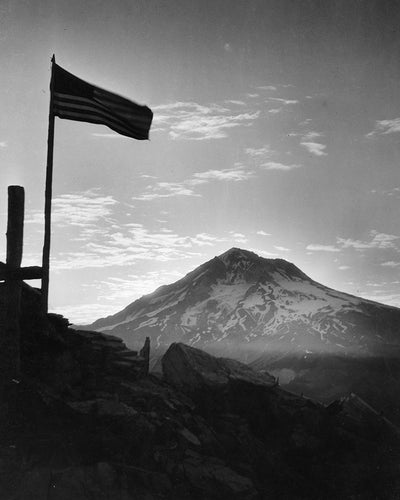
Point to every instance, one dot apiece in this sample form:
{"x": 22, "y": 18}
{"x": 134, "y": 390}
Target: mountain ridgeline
{"x": 268, "y": 313}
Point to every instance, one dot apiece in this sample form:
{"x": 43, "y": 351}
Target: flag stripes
{"x": 85, "y": 111}
{"x": 74, "y": 99}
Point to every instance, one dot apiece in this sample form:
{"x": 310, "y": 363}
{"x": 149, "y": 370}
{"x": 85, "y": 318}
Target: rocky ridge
{"x": 209, "y": 428}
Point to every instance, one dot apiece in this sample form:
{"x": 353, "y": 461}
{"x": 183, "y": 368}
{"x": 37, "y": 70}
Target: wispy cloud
{"x": 166, "y": 190}
{"x": 130, "y": 244}
{"x": 312, "y": 134}
{"x": 263, "y": 233}
{"x": 384, "y": 127}
{"x": 308, "y": 140}
{"x": 259, "y": 152}
{"x": 259, "y": 155}
{"x": 315, "y": 148}
{"x": 192, "y": 121}
{"x": 238, "y": 173}
{"x": 187, "y": 187}
{"x": 267, "y": 87}
{"x": 391, "y": 263}
{"x": 285, "y": 102}
{"x": 273, "y": 165}
{"x": 234, "y": 101}
{"x": 82, "y": 209}
{"x": 315, "y": 247}
{"x": 3, "y": 144}
{"x": 377, "y": 240}
{"x": 238, "y": 237}
{"x": 282, "y": 249}
{"x": 112, "y": 292}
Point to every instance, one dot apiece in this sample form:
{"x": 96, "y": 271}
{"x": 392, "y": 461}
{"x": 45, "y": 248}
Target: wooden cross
{"x": 13, "y": 274}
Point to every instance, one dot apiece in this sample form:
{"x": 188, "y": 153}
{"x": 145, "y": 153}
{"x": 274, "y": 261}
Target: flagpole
{"x": 48, "y": 196}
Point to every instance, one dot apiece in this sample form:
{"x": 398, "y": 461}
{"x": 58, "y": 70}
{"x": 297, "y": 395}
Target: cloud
{"x": 390, "y": 263}
{"x": 259, "y": 152}
{"x": 285, "y": 102}
{"x": 238, "y": 237}
{"x": 377, "y": 241}
{"x": 273, "y": 165}
{"x": 84, "y": 209}
{"x": 267, "y": 87}
{"x": 3, "y": 144}
{"x": 228, "y": 47}
{"x": 282, "y": 249}
{"x": 235, "y": 174}
{"x": 233, "y": 101}
{"x": 264, "y": 253}
{"x": 308, "y": 140}
{"x": 393, "y": 192}
{"x": 275, "y": 111}
{"x": 344, "y": 268}
{"x": 381, "y": 241}
{"x": 263, "y": 233}
{"x": 259, "y": 155}
{"x": 312, "y": 134}
{"x": 384, "y": 127}
{"x": 186, "y": 187}
{"x": 111, "y": 292}
{"x": 203, "y": 239}
{"x": 166, "y": 190}
{"x": 252, "y": 96}
{"x": 321, "y": 248}
{"x": 129, "y": 245}
{"x": 192, "y": 121}
{"x": 315, "y": 148}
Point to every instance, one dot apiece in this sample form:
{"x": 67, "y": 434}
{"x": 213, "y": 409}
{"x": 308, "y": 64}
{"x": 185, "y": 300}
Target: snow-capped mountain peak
{"x": 244, "y": 305}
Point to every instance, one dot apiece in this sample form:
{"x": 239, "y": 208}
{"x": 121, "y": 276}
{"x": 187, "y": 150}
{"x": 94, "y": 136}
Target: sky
{"x": 276, "y": 129}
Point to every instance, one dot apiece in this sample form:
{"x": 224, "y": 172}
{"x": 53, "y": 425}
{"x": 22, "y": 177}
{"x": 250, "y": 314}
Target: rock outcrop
{"x": 82, "y": 423}
{"x": 192, "y": 369}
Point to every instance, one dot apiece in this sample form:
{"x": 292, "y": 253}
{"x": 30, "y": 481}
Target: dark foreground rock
{"x": 79, "y": 425}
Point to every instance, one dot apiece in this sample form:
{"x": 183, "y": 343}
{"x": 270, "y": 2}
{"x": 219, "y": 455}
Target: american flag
{"x": 75, "y": 99}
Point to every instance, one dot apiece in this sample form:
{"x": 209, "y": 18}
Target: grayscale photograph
{"x": 200, "y": 257}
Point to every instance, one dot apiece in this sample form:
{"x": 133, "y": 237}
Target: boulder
{"x": 191, "y": 369}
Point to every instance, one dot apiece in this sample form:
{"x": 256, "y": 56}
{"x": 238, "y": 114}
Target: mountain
{"x": 243, "y": 304}
{"x": 267, "y": 312}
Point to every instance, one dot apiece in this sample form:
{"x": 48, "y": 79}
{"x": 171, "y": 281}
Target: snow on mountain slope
{"x": 243, "y": 305}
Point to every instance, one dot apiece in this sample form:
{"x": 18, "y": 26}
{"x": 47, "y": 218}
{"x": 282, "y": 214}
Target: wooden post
{"x": 10, "y": 338}
{"x": 10, "y": 300}
{"x": 48, "y": 196}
